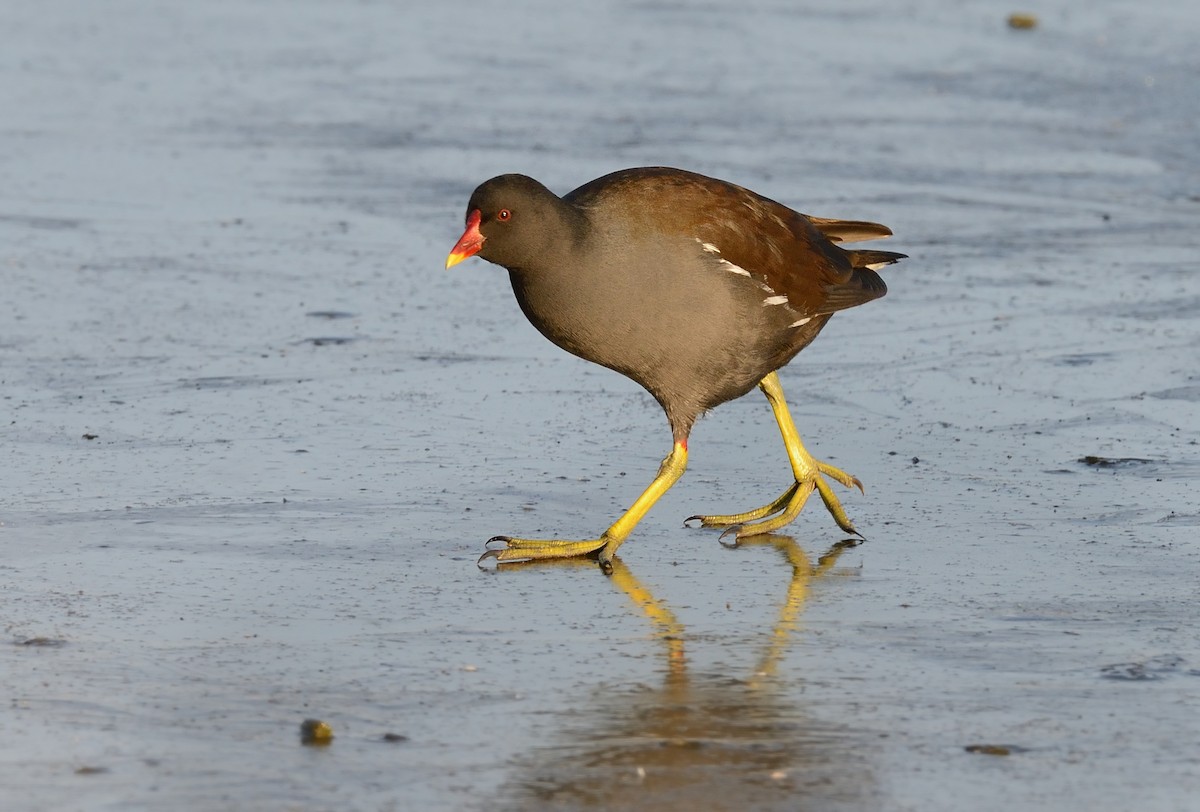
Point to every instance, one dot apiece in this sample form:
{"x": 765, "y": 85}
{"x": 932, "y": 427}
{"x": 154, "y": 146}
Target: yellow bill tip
{"x": 469, "y": 244}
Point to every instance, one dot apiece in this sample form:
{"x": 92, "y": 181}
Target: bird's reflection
{"x": 702, "y": 741}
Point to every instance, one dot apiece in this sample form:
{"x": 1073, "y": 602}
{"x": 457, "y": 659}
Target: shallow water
{"x": 255, "y": 437}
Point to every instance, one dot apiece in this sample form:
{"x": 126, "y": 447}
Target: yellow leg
{"x": 518, "y": 549}
{"x": 810, "y": 475}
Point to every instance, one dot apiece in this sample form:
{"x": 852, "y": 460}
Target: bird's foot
{"x": 781, "y": 511}
{"x": 518, "y": 549}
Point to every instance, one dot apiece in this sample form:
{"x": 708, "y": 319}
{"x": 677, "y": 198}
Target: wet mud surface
{"x": 254, "y": 436}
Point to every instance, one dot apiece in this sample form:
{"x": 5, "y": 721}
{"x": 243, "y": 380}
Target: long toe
{"x": 519, "y": 549}
{"x": 737, "y": 519}
{"x": 835, "y": 507}
{"x": 800, "y": 495}
{"x": 787, "y": 507}
{"x": 841, "y": 476}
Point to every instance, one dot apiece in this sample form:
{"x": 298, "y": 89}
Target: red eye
{"x": 503, "y": 214}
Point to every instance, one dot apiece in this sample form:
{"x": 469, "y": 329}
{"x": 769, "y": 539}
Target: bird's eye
{"x": 503, "y": 215}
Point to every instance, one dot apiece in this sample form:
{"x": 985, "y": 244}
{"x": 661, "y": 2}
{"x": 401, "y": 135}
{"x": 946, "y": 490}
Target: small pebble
{"x": 1022, "y": 21}
{"x": 315, "y": 732}
{"x": 49, "y": 642}
{"x": 989, "y": 749}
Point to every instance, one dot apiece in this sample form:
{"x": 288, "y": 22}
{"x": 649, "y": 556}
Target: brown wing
{"x": 787, "y": 251}
{"x": 792, "y": 255}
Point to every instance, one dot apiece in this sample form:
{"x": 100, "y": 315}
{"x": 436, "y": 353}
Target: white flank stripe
{"x": 729, "y": 266}
{"x": 726, "y": 264}
{"x": 774, "y": 300}
{"x": 875, "y": 266}
{"x": 800, "y": 323}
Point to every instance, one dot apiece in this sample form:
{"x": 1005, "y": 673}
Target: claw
{"x": 489, "y": 554}
{"x": 847, "y": 526}
{"x": 728, "y": 530}
{"x": 505, "y": 539}
{"x": 696, "y": 518}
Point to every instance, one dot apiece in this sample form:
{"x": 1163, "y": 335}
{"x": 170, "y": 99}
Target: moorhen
{"x": 697, "y": 289}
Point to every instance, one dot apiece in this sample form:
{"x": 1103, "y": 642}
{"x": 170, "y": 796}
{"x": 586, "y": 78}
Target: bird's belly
{"x": 691, "y": 349}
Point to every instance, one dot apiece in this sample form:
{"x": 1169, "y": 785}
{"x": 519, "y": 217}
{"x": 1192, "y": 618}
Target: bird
{"x": 696, "y": 288}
